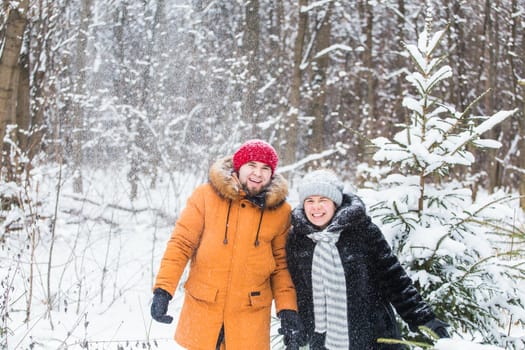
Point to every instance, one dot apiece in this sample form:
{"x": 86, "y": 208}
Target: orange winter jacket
{"x": 237, "y": 260}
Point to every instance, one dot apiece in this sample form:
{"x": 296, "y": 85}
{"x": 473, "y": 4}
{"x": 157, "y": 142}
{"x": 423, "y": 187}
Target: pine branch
{"x": 405, "y": 342}
{"x": 488, "y": 204}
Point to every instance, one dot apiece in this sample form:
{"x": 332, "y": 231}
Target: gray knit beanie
{"x": 321, "y": 182}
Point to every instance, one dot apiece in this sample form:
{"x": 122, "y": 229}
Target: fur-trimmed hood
{"x": 351, "y": 212}
{"x": 225, "y": 182}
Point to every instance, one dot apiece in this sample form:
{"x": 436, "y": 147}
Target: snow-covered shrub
{"x": 464, "y": 254}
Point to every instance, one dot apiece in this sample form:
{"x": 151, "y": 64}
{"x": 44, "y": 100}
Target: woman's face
{"x": 319, "y": 210}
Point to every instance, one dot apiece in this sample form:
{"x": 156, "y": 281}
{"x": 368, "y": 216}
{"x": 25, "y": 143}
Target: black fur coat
{"x": 375, "y": 280}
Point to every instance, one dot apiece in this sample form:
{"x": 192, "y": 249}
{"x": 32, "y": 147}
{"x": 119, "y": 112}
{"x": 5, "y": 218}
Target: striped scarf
{"x": 329, "y": 290}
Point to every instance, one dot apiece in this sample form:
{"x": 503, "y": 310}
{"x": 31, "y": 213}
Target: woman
{"x": 337, "y": 256}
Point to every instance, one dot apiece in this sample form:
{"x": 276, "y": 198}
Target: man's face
{"x": 254, "y": 177}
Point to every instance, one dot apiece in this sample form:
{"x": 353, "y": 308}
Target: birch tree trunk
{"x": 9, "y": 68}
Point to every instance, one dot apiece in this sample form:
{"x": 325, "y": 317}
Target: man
{"x": 233, "y": 231}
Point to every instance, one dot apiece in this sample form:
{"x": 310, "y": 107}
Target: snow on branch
{"x": 482, "y": 128}
{"x": 335, "y": 47}
{"x": 307, "y": 159}
{"x": 314, "y": 5}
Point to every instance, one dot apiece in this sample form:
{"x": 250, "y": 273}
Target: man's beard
{"x": 253, "y": 193}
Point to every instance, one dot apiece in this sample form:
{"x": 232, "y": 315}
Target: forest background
{"x": 153, "y": 85}
{"x": 146, "y": 94}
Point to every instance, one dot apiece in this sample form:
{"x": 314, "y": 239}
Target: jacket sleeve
{"x": 396, "y": 285}
{"x": 282, "y": 286}
{"x": 182, "y": 244}
{"x": 290, "y": 258}
{"x": 299, "y": 271}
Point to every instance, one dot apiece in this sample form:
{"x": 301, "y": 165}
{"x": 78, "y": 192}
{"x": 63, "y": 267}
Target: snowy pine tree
{"x": 465, "y": 255}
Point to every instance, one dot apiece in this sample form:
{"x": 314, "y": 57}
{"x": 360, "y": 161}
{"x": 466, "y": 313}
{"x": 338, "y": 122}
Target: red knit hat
{"x": 255, "y": 150}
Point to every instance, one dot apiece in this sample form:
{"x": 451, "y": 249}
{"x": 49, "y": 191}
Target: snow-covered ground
{"x": 91, "y": 283}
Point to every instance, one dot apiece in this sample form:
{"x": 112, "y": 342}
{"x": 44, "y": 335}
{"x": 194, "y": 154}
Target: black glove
{"x": 292, "y": 329}
{"x": 159, "y": 306}
{"x": 439, "y": 327}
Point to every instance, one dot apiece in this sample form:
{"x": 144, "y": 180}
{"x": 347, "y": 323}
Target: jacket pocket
{"x": 261, "y": 297}
{"x": 201, "y": 291}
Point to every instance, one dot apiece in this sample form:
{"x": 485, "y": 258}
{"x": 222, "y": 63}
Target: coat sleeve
{"x": 290, "y": 258}
{"x": 282, "y": 286}
{"x": 183, "y": 242}
{"x": 299, "y": 272}
{"x": 396, "y": 285}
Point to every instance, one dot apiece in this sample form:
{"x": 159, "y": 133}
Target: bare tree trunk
{"x": 458, "y": 90}
{"x": 9, "y": 72}
{"x": 251, "y": 51}
{"x": 23, "y": 113}
{"x": 41, "y": 95}
{"x": 276, "y": 56}
{"x": 487, "y": 73}
{"x": 522, "y": 144}
{"x": 399, "y": 114}
{"x": 511, "y": 46}
{"x": 482, "y": 157}
{"x": 521, "y": 119}
{"x": 277, "y": 47}
{"x": 149, "y": 101}
{"x": 369, "y": 62}
{"x": 494, "y": 169}
{"x": 511, "y": 55}
{"x": 320, "y": 67}
{"x": 123, "y": 94}
{"x": 290, "y": 134}
{"x": 457, "y": 58}
{"x": 77, "y": 123}
{"x": 366, "y": 93}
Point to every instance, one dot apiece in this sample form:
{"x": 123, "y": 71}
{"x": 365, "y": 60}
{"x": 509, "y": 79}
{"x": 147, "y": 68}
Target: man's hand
{"x": 159, "y": 306}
